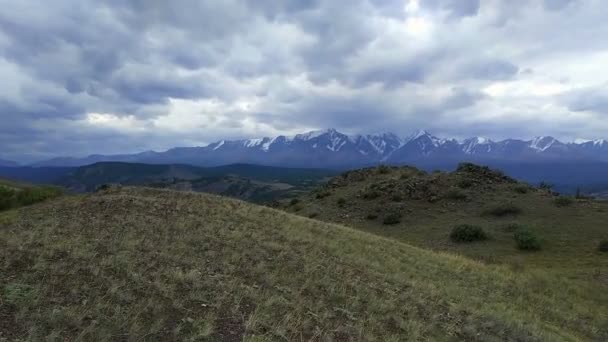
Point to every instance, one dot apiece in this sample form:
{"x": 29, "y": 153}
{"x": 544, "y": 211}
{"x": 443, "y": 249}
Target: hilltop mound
{"x": 137, "y": 263}
{"x": 423, "y": 208}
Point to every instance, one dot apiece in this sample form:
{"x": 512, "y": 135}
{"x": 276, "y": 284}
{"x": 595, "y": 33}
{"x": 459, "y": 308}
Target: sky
{"x": 115, "y": 76}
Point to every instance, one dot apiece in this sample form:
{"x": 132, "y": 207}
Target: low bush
{"x": 512, "y": 227}
{"x": 313, "y": 215}
{"x": 29, "y": 196}
{"x": 371, "y": 216}
{"x": 526, "y": 240}
{"x": 465, "y": 183}
{"x": 396, "y": 198}
{"x": 10, "y": 198}
{"x": 521, "y": 188}
{"x": 7, "y": 198}
{"x": 294, "y": 201}
{"x": 503, "y": 210}
{"x": 456, "y": 194}
{"x": 384, "y": 169}
{"x": 341, "y": 202}
{"x": 468, "y": 233}
{"x": 322, "y": 194}
{"x": 371, "y": 194}
{"x": 604, "y": 246}
{"x": 392, "y": 219}
{"x": 563, "y": 201}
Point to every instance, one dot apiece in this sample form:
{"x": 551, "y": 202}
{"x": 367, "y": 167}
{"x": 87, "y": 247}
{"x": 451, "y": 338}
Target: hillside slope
{"x": 421, "y": 208}
{"x": 144, "y": 264}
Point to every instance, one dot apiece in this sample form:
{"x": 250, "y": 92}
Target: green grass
{"x": 14, "y": 195}
{"x": 570, "y": 235}
{"x": 143, "y": 264}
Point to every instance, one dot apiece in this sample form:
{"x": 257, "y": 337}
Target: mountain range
{"x": 333, "y": 149}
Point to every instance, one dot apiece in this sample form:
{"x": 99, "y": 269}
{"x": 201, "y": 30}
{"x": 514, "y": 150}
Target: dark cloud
{"x": 589, "y": 99}
{"x": 455, "y": 8}
{"x": 105, "y": 76}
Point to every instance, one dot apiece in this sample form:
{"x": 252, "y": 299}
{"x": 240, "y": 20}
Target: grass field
{"x": 141, "y": 264}
{"x": 429, "y": 206}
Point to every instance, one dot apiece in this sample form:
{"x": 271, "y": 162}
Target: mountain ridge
{"x": 333, "y": 149}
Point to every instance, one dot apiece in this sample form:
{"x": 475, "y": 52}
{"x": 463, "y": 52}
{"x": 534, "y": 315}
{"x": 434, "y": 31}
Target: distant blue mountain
{"x": 4, "y": 162}
{"x": 333, "y": 149}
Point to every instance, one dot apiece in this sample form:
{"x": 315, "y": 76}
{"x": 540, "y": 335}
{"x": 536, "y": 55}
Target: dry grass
{"x": 142, "y": 264}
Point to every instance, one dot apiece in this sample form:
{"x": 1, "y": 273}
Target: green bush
{"x": 322, "y": 194}
{"x": 526, "y": 240}
{"x": 512, "y": 227}
{"x": 10, "y": 198}
{"x": 384, "y": 169}
{"x": 313, "y": 215}
{"x": 371, "y": 194}
{"x": 467, "y": 233}
{"x": 503, "y": 210}
{"x": 371, "y": 216}
{"x": 521, "y": 188}
{"x": 7, "y": 198}
{"x": 456, "y": 194}
{"x": 545, "y": 186}
{"x": 396, "y": 198}
{"x": 465, "y": 183}
{"x": 294, "y": 201}
{"x": 341, "y": 202}
{"x": 29, "y": 196}
{"x": 604, "y": 246}
{"x": 563, "y": 201}
{"x": 392, "y": 219}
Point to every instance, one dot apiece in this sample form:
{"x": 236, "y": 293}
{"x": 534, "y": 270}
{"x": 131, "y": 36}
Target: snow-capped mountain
{"x": 333, "y": 149}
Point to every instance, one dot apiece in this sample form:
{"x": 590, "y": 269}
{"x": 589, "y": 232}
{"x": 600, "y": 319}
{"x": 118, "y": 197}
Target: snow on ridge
{"x": 220, "y": 144}
{"x": 541, "y": 144}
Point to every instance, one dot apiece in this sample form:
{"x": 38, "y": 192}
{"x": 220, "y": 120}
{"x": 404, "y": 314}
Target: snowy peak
{"x": 543, "y": 143}
{"x": 477, "y": 145}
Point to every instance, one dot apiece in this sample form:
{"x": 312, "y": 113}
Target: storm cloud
{"x": 82, "y": 77}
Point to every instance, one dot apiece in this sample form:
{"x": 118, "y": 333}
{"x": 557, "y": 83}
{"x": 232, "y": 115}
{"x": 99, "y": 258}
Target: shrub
{"x": 341, "y": 202}
{"x": 322, "y": 194}
{"x": 521, "y": 188}
{"x": 371, "y": 194}
{"x": 526, "y": 240}
{"x": 313, "y": 215}
{"x": 294, "y": 201}
{"x": 503, "y": 210}
{"x": 604, "y": 246}
{"x": 456, "y": 194}
{"x": 467, "y": 233}
{"x": 393, "y": 218}
{"x": 545, "y": 186}
{"x": 465, "y": 183}
{"x": 34, "y": 195}
{"x": 384, "y": 169}
{"x": 371, "y": 216}
{"x": 103, "y": 187}
{"x": 396, "y": 198}
{"x": 7, "y": 198}
{"x": 563, "y": 201}
{"x": 512, "y": 227}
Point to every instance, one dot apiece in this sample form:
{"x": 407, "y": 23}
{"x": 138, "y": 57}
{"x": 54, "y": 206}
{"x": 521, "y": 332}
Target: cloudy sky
{"x": 114, "y": 76}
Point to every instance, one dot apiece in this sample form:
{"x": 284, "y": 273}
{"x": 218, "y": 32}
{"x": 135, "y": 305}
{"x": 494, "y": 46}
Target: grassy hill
{"x": 15, "y": 194}
{"x": 145, "y": 264}
{"x": 422, "y": 208}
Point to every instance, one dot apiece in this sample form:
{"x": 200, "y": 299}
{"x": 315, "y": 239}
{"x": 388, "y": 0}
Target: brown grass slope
{"x": 427, "y": 206}
{"x": 137, "y": 264}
